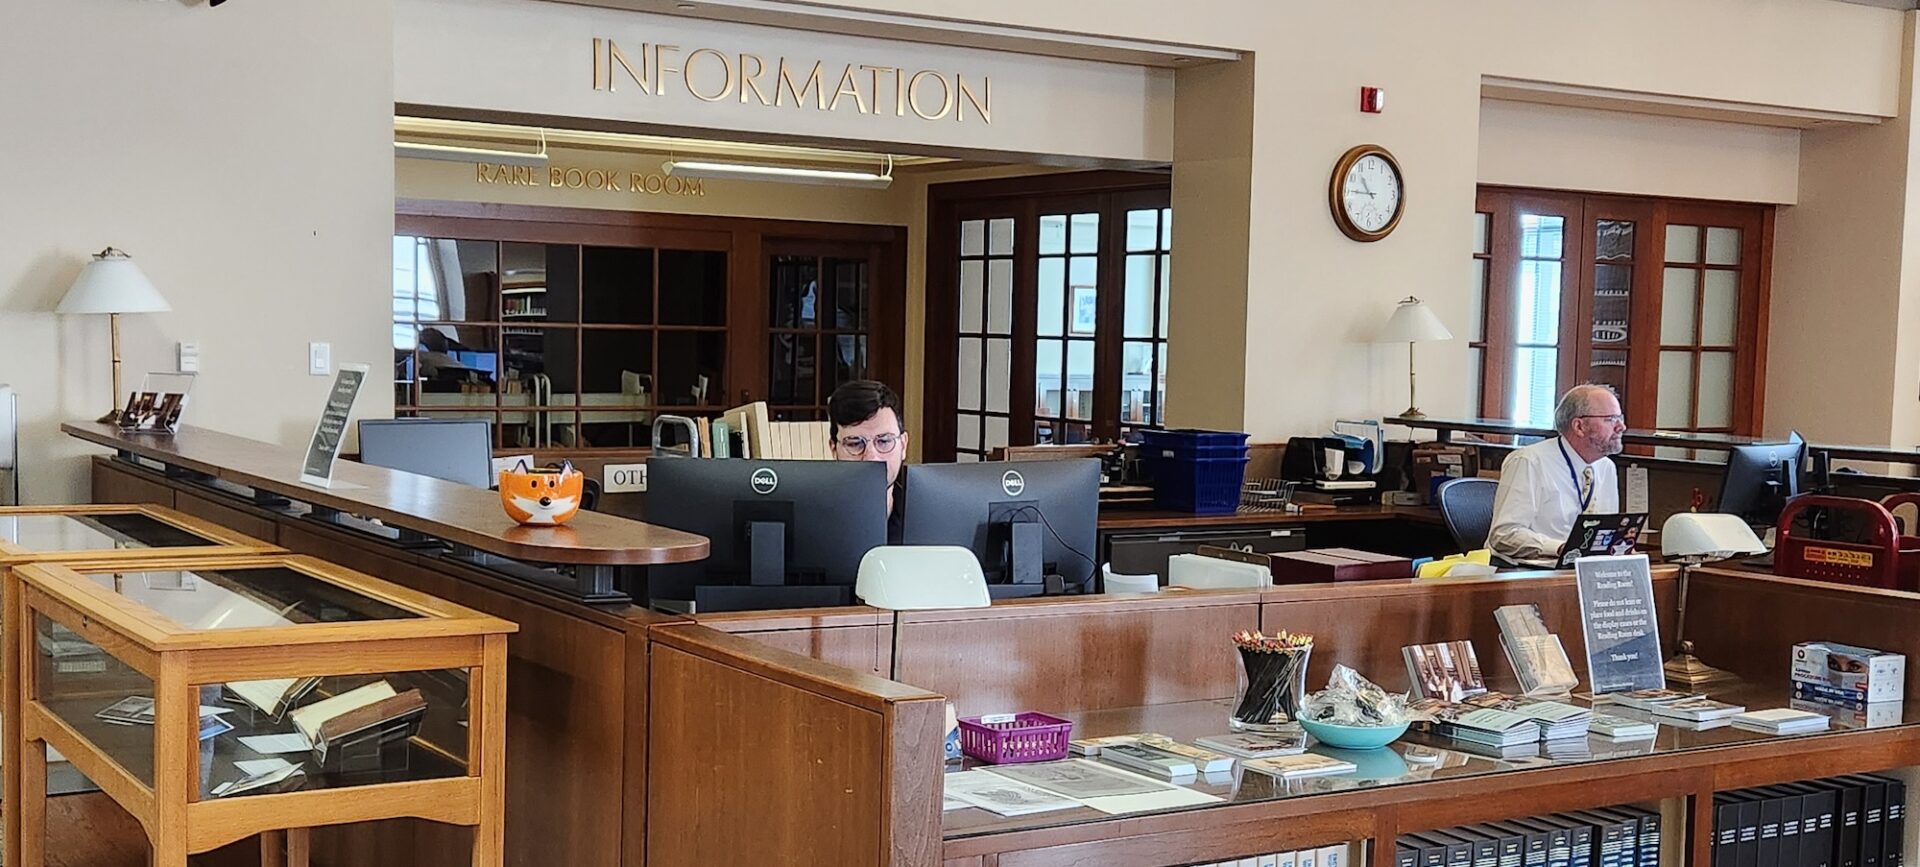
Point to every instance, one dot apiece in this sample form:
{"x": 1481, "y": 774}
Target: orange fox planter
{"x": 540, "y": 497}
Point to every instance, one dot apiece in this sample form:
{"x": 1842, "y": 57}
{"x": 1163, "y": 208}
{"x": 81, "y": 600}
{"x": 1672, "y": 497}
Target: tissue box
{"x": 1844, "y": 674}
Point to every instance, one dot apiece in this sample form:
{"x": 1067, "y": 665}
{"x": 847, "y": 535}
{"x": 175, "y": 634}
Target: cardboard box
{"x": 1826, "y": 670}
{"x": 1434, "y": 463}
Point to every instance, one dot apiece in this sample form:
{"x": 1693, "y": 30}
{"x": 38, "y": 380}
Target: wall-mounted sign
{"x": 712, "y": 75}
{"x": 576, "y": 178}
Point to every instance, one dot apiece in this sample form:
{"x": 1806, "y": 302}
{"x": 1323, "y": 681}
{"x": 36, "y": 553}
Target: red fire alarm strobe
{"x": 1373, "y": 100}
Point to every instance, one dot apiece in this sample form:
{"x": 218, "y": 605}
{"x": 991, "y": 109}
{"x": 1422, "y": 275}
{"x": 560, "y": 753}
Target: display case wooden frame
{"x": 224, "y": 541}
{"x": 176, "y": 820}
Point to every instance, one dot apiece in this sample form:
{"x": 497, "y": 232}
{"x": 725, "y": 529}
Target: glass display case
{"x": 104, "y": 533}
{"x": 227, "y": 697}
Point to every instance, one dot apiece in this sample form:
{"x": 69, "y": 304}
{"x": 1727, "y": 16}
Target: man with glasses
{"x": 1544, "y": 487}
{"x": 866, "y": 423}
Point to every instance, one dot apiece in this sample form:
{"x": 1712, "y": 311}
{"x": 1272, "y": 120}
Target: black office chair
{"x": 1466, "y": 505}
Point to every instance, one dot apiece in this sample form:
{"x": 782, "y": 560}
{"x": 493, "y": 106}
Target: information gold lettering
{"x": 914, "y": 90}
{"x": 873, "y": 84}
{"x": 660, "y": 68}
{"x": 726, "y": 65}
{"x": 785, "y": 86}
{"x": 750, "y": 81}
{"x": 848, "y": 85}
{"x": 616, "y": 57}
{"x": 982, "y": 101}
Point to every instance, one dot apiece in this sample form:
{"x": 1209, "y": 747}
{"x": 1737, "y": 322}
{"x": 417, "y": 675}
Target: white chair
{"x": 10, "y": 439}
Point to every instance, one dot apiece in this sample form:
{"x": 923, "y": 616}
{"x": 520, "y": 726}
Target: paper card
{"x": 1001, "y": 795}
{"x": 1617, "y": 614}
{"x": 256, "y": 767}
{"x": 267, "y": 745}
{"x": 1164, "y": 800}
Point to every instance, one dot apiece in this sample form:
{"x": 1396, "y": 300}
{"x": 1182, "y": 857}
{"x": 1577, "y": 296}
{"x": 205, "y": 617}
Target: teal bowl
{"x": 1354, "y": 737}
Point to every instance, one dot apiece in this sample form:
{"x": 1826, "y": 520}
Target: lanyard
{"x": 1587, "y": 499}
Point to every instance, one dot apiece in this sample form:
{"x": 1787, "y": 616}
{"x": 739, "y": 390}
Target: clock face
{"x": 1370, "y": 193}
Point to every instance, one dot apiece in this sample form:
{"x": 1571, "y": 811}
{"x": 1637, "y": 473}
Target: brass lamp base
{"x": 1687, "y": 669}
{"x": 112, "y": 417}
{"x": 1412, "y": 412}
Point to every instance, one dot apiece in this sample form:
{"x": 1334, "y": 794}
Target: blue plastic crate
{"x": 1186, "y": 444}
{"x": 1203, "y": 486}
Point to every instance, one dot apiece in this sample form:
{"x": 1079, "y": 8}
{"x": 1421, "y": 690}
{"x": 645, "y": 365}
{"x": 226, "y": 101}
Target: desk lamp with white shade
{"x": 1413, "y": 322}
{"x": 113, "y": 285}
{"x": 1692, "y": 539}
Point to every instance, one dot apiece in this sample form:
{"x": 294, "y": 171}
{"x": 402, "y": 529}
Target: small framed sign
{"x": 324, "y": 448}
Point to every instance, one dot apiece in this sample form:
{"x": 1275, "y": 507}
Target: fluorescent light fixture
{"x": 461, "y": 154}
{"x": 784, "y": 174}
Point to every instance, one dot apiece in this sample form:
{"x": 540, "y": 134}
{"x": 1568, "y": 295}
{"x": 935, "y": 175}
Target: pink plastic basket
{"x": 1029, "y": 737}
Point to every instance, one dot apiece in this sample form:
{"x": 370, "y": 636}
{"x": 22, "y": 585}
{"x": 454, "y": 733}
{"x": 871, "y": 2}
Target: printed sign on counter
{"x": 328, "y": 433}
{"x": 1621, "y": 626}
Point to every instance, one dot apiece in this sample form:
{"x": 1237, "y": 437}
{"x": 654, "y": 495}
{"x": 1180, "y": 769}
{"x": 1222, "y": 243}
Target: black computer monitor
{"x": 1761, "y": 477}
{"x": 1033, "y": 524}
{"x": 458, "y": 450}
{"x": 783, "y": 534}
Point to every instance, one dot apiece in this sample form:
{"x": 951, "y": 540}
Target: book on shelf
{"x": 338, "y": 719}
{"x": 1698, "y": 710}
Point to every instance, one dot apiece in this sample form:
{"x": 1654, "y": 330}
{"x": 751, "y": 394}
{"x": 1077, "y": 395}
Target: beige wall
{"x": 458, "y": 182}
{"x": 241, "y": 154}
{"x": 1556, "y": 147}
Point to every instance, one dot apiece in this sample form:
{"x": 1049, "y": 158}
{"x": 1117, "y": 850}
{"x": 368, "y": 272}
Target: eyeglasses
{"x": 1615, "y": 419}
{"x": 882, "y": 444}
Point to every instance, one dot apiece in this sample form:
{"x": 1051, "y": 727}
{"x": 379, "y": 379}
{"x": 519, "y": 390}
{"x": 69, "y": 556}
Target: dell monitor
{"x": 457, "y": 450}
{"x": 1033, "y": 524}
{"x": 1761, "y": 477}
{"x": 783, "y": 534}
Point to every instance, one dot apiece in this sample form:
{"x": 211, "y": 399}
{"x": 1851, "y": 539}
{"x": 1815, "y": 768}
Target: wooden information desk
{"x": 813, "y": 737}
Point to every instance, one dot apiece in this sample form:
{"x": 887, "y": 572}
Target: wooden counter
{"x": 1154, "y": 519}
{"x": 460, "y": 514}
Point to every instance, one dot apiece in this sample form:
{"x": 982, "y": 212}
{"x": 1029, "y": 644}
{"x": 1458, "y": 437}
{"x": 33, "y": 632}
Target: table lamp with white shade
{"x": 1413, "y": 322}
{"x": 113, "y": 285}
{"x": 1691, "y": 539}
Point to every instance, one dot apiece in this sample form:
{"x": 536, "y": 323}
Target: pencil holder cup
{"x": 1272, "y": 683}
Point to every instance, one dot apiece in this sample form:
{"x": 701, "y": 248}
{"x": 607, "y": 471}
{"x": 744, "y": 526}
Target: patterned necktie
{"x": 1586, "y": 485}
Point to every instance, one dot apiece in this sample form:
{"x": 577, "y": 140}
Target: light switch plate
{"x": 319, "y": 359}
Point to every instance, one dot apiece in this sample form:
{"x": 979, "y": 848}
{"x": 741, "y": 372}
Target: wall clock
{"x": 1367, "y": 193}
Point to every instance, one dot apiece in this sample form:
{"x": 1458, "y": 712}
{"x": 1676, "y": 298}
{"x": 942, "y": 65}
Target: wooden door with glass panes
{"x": 1060, "y": 320}
{"x": 820, "y": 322}
{"x": 1662, "y": 300}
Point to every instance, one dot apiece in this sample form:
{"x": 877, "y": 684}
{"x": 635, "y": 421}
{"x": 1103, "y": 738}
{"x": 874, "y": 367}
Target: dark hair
{"x": 857, "y": 400}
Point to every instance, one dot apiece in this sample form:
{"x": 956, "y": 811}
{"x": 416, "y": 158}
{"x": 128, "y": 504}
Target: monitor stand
{"x": 1022, "y": 571}
{"x": 767, "y": 587}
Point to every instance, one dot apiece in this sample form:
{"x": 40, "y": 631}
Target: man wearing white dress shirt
{"x": 1545, "y": 486}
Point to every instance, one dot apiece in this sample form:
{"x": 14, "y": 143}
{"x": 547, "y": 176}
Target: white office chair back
{"x": 10, "y": 440}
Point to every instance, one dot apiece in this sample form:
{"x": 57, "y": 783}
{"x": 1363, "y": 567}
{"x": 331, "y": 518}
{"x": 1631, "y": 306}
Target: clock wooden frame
{"x": 1334, "y": 204}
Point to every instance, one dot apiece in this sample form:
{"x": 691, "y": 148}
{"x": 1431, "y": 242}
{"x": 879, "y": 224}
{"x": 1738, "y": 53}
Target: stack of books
{"x": 1855, "y": 821}
{"x": 1484, "y": 726}
{"x": 1300, "y": 766}
{"x": 1620, "y": 728}
{"x": 1257, "y": 745}
{"x": 1781, "y": 721}
{"x": 1693, "y": 707}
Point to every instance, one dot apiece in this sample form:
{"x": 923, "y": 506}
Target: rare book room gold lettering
{"x": 712, "y": 75}
{"x": 572, "y": 178}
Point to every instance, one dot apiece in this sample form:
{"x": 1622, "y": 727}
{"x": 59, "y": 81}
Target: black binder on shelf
{"x": 1873, "y": 819}
{"x": 1512, "y": 843}
{"x": 1847, "y": 829}
{"x": 1534, "y": 842}
{"x": 1746, "y": 852}
{"x": 1726, "y": 830}
{"x": 1817, "y": 807}
{"x": 1619, "y": 837}
{"x": 1896, "y": 835}
{"x": 1404, "y": 853}
{"x": 1582, "y": 840}
{"x": 1646, "y": 835}
{"x": 1486, "y": 847}
{"x": 1770, "y": 821}
{"x": 1792, "y": 838}
{"x": 1431, "y": 854}
{"x": 1459, "y": 851}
